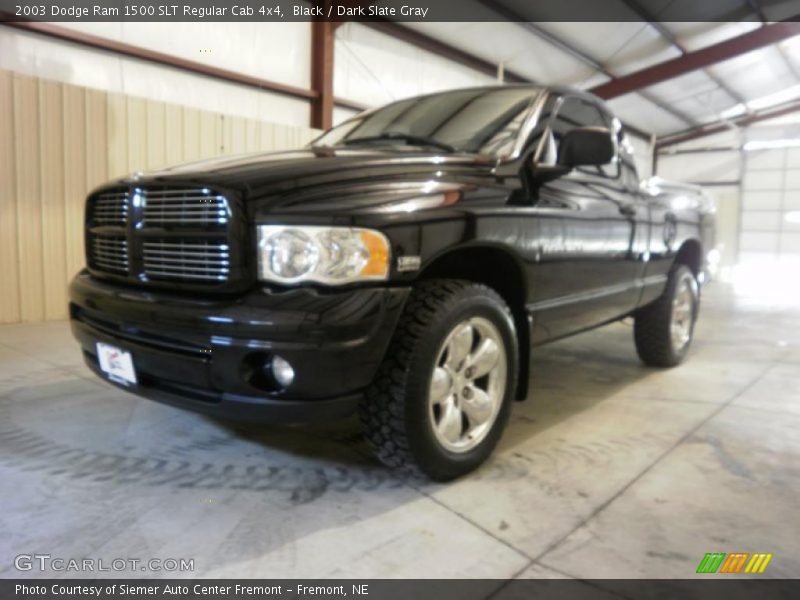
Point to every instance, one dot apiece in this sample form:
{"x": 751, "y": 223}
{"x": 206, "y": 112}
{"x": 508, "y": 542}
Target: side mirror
{"x": 586, "y": 146}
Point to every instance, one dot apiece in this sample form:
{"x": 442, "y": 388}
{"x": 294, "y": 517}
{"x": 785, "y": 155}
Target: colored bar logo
{"x": 720, "y": 562}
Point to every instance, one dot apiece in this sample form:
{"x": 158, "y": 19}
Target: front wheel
{"x": 663, "y": 330}
{"x": 444, "y": 391}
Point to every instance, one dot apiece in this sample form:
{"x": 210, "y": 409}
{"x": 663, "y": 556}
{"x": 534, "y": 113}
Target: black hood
{"x": 314, "y": 174}
{"x": 250, "y": 173}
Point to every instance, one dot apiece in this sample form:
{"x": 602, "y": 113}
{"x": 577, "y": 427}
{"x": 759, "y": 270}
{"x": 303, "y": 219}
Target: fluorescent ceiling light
{"x": 733, "y": 111}
{"x": 771, "y": 144}
{"x": 785, "y": 95}
{"x": 737, "y": 110}
{"x": 792, "y": 216}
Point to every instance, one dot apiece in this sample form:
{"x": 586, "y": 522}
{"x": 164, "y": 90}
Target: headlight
{"x": 330, "y": 255}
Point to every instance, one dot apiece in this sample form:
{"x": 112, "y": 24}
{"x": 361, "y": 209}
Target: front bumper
{"x": 205, "y": 354}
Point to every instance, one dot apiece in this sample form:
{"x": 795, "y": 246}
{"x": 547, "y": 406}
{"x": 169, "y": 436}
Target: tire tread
{"x": 382, "y": 413}
{"x": 651, "y": 327}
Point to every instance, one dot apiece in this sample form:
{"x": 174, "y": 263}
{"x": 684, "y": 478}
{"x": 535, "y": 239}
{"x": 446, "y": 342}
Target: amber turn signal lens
{"x": 378, "y": 249}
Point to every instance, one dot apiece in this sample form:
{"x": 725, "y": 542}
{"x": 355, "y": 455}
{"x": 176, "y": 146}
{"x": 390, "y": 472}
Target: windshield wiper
{"x": 416, "y": 140}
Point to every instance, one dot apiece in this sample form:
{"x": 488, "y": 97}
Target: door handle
{"x": 628, "y": 209}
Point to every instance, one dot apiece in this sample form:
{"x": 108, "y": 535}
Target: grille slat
{"x": 176, "y": 208}
{"x": 187, "y": 260}
{"x": 110, "y": 208}
{"x": 191, "y": 261}
{"x": 196, "y": 276}
{"x": 109, "y": 254}
{"x": 163, "y": 199}
{"x": 113, "y": 263}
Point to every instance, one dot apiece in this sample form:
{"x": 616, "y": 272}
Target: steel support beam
{"x": 349, "y": 104}
{"x": 758, "y": 10}
{"x": 665, "y": 33}
{"x": 743, "y": 121}
{"x": 574, "y": 52}
{"x": 322, "y": 35}
{"x": 424, "y": 42}
{"x": 698, "y": 59}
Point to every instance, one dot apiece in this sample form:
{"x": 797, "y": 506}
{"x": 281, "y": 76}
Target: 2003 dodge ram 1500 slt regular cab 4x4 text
{"x": 403, "y": 265}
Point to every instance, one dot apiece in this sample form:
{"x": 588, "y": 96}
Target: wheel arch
{"x": 691, "y": 254}
{"x": 499, "y": 269}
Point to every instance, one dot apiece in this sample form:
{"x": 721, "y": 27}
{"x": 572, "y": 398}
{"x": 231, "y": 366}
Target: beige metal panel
{"x": 9, "y": 267}
{"x": 28, "y": 192}
{"x": 156, "y": 135}
{"x": 266, "y": 136}
{"x": 252, "y": 135}
{"x": 210, "y": 135}
{"x": 308, "y": 135}
{"x": 282, "y": 138}
{"x": 75, "y": 169}
{"x": 97, "y": 149}
{"x": 117, "y": 135}
{"x": 191, "y": 134}
{"x": 238, "y": 135}
{"x": 51, "y": 173}
{"x": 136, "y": 135}
{"x": 173, "y": 134}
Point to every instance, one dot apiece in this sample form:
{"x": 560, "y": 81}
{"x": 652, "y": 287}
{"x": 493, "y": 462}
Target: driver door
{"x": 587, "y": 219}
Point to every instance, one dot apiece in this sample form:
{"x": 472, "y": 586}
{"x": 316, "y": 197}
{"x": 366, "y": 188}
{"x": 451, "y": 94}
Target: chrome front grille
{"x": 177, "y": 207}
{"x": 109, "y": 253}
{"x": 188, "y": 260}
{"x": 110, "y": 208}
{"x": 163, "y": 235}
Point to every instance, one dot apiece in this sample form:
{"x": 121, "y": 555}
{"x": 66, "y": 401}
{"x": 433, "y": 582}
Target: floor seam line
{"x": 464, "y": 518}
{"x": 588, "y": 582}
{"x": 478, "y": 526}
{"x": 649, "y": 467}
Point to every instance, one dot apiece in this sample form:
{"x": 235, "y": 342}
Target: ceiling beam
{"x": 758, "y": 10}
{"x": 635, "y": 131}
{"x": 665, "y": 33}
{"x": 574, "y": 52}
{"x": 445, "y": 51}
{"x": 743, "y": 121}
{"x": 349, "y": 104}
{"x": 698, "y": 59}
{"x": 424, "y": 42}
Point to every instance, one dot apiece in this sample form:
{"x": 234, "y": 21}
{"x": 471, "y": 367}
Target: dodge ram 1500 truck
{"x": 402, "y": 266}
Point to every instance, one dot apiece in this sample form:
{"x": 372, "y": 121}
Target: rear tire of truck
{"x": 443, "y": 393}
{"x": 663, "y": 330}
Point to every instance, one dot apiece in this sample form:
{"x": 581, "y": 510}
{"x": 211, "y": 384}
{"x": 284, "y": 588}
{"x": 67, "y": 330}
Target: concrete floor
{"x": 609, "y": 470}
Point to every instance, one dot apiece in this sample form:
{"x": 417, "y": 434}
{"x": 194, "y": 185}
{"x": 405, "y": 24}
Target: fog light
{"x": 282, "y": 371}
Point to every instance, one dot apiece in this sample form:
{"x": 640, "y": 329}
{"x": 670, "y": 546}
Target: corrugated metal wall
{"x": 57, "y": 142}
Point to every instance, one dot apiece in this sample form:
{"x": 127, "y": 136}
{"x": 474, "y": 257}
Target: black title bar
{"x": 708, "y": 587}
{"x": 393, "y": 10}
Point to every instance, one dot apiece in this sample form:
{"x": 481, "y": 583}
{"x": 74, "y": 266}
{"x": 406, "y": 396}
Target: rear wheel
{"x": 443, "y": 393}
{"x": 663, "y": 330}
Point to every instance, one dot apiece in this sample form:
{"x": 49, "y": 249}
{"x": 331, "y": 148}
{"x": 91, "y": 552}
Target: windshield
{"x": 484, "y": 121}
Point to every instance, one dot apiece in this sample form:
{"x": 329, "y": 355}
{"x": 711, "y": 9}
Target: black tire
{"x": 653, "y": 323}
{"x": 395, "y": 413}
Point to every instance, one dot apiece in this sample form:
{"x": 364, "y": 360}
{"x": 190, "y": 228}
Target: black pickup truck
{"x": 402, "y": 266}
